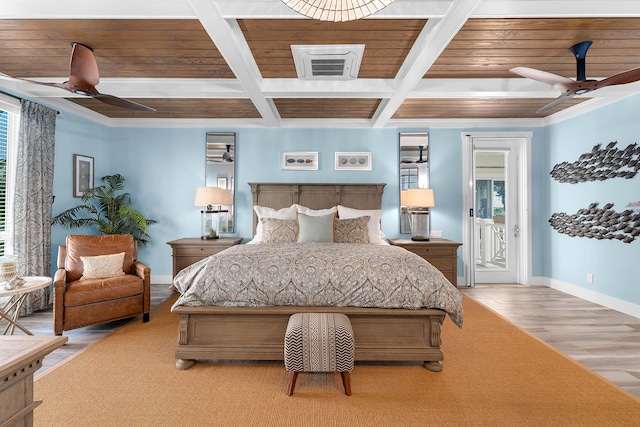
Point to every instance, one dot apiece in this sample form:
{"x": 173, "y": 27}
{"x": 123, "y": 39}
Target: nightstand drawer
{"x": 442, "y": 264}
{"x": 186, "y": 251}
{"x": 425, "y": 252}
{"x": 181, "y": 262}
{"x": 190, "y": 250}
{"x": 441, "y": 253}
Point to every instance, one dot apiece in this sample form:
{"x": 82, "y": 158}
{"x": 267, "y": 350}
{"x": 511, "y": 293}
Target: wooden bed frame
{"x": 257, "y": 333}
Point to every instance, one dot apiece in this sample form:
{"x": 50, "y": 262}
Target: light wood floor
{"x": 603, "y": 340}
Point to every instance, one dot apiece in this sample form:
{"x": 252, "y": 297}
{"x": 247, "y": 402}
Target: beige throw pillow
{"x": 279, "y": 230}
{"x": 102, "y": 266}
{"x": 352, "y": 230}
{"x": 264, "y": 212}
{"x": 375, "y": 233}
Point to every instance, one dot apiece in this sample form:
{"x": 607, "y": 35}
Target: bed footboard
{"x": 257, "y": 333}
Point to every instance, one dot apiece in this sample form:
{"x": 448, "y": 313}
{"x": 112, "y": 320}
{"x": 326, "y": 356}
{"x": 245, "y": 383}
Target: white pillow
{"x": 315, "y": 212}
{"x": 375, "y": 233}
{"x": 102, "y": 266}
{"x": 264, "y": 212}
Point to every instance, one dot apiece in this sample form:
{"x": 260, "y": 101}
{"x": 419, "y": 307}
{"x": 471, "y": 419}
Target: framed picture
{"x": 353, "y": 161}
{"x": 222, "y": 183}
{"x": 300, "y": 160}
{"x": 82, "y": 174}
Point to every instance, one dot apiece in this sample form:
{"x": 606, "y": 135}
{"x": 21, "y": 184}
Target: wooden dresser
{"x": 20, "y": 357}
{"x": 192, "y": 249}
{"x": 441, "y": 253}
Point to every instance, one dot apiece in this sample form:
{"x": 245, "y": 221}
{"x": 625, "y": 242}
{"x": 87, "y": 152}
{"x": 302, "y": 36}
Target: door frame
{"x": 523, "y": 152}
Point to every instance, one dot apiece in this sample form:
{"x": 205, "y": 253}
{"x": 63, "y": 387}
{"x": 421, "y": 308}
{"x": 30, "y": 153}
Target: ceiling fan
{"x": 227, "y": 157}
{"x": 83, "y": 78}
{"x": 571, "y": 88}
{"x": 420, "y": 158}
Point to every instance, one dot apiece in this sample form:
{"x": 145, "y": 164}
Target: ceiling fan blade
{"x": 83, "y": 69}
{"x": 559, "y": 100}
{"x": 625, "y": 77}
{"x": 541, "y": 76}
{"x": 121, "y": 102}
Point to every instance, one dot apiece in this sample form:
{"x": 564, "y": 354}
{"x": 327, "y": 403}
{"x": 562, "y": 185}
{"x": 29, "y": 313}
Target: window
{"x": 408, "y": 178}
{"x": 9, "y": 114}
{"x": 489, "y": 198}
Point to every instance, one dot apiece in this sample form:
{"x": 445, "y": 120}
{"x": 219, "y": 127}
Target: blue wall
{"x": 163, "y": 167}
{"x": 75, "y": 135}
{"x": 615, "y": 265}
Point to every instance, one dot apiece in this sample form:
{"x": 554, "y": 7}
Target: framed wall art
{"x": 300, "y": 160}
{"x": 82, "y": 174}
{"x": 353, "y": 161}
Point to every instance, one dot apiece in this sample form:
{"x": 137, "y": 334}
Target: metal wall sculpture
{"x": 599, "y": 223}
{"x": 600, "y": 164}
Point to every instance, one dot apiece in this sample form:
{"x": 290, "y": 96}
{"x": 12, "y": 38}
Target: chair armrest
{"x": 141, "y": 270}
{"x": 59, "y": 286}
{"x": 60, "y": 280}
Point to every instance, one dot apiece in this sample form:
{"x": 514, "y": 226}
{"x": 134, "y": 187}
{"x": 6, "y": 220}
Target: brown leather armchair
{"x": 79, "y": 303}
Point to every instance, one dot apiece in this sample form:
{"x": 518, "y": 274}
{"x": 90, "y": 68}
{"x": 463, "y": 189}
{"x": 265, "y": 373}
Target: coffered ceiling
{"x": 229, "y": 62}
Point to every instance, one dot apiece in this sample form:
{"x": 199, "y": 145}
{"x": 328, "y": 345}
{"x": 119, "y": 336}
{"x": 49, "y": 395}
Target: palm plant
{"x": 109, "y": 212}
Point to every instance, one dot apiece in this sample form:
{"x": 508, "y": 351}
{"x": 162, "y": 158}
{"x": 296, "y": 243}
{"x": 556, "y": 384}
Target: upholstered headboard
{"x": 316, "y": 196}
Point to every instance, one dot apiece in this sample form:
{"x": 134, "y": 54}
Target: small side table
{"x": 11, "y": 310}
{"x": 20, "y": 357}
{"x": 192, "y": 249}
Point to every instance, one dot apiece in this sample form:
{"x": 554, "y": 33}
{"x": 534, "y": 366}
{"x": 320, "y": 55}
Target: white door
{"x": 494, "y": 226}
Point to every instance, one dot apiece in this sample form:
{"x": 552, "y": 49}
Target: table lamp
{"x": 214, "y": 219}
{"x": 418, "y": 201}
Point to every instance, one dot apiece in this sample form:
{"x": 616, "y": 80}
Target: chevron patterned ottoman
{"x": 319, "y": 342}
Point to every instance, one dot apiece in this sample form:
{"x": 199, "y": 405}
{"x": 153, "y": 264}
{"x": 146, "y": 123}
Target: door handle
{"x": 516, "y": 230}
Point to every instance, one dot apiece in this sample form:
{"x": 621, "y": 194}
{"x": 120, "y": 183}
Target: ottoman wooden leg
{"x": 346, "y": 381}
{"x": 293, "y": 376}
{"x": 319, "y": 342}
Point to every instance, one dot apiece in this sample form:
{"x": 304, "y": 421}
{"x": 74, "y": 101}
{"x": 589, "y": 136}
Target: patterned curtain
{"x": 34, "y": 197}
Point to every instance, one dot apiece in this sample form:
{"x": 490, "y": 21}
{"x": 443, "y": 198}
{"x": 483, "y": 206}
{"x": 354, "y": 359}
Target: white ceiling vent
{"x": 327, "y": 62}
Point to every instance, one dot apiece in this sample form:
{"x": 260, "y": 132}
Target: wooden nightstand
{"x": 441, "y": 253}
{"x": 192, "y": 249}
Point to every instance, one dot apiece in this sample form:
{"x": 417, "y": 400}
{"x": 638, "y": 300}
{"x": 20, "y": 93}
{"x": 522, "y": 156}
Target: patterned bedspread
{"x": 318, "y": 274}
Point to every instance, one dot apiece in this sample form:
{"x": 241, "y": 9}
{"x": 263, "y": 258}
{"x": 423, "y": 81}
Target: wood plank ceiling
{"x": 483, "y": 49}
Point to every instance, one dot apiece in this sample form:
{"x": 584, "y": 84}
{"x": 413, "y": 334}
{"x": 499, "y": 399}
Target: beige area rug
{"x": 495, "y": 374}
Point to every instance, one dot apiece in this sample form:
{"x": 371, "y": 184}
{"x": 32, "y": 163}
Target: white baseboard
{"x": 617, "y": 304}
{"x": 539, "y": 281}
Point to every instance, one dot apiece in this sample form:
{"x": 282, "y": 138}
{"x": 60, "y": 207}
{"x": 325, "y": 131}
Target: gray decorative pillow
{"x": 315, "y": 228}
{"x": 352, "y": 230}
{"x": 279, "y": 230}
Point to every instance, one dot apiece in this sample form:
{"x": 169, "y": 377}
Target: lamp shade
{"x": 337, "y": 10}
{"x": 209, "y": 196}
{"x": 417, "y": 198}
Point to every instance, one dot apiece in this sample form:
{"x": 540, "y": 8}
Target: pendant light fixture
{"x": 337, "y": 10}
